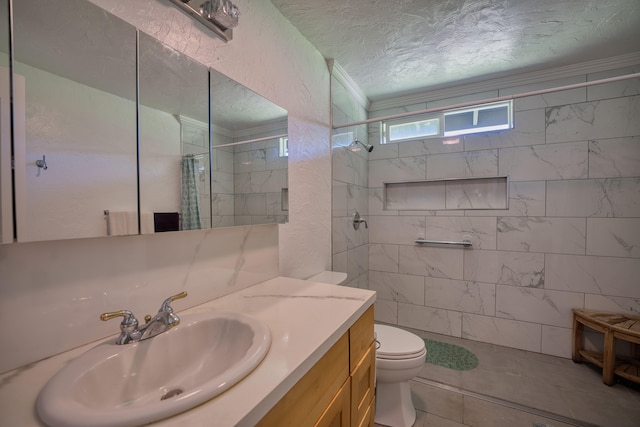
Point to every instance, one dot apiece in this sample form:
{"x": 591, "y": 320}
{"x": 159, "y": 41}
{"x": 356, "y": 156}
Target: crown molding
{"x": 352, "y": 87}
{"x": 509, "y": 81}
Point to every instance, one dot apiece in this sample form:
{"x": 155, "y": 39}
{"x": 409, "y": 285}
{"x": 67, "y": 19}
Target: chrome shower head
{"x": 354, "y": 146}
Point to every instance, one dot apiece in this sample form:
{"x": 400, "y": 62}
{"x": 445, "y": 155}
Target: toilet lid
{"x": 396, "y": 342}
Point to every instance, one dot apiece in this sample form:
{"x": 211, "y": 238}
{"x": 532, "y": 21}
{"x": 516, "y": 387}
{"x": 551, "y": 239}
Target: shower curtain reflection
{"x": 190, "y": 200}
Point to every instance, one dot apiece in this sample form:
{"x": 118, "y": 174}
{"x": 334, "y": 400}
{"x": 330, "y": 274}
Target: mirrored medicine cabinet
{"x": 115, "y": 133}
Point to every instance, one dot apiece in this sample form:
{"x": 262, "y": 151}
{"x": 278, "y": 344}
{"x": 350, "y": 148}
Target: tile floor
{"x": 513, "y": 388}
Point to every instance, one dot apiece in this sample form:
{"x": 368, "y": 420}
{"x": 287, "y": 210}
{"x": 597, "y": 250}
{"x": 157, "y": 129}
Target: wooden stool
{"x": 613, "y": 325}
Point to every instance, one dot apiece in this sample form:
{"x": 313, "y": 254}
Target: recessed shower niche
{"x": 447, "y": 194}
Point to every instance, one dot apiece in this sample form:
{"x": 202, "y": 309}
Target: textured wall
{"x": 569, "y": 239}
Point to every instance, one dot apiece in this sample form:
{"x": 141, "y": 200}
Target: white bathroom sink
{"x": 133, "y": 384}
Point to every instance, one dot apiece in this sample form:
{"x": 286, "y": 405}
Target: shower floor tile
{"x": 520, "y": 388}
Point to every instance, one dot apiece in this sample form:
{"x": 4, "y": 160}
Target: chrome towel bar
{"x": 464, "y": 243}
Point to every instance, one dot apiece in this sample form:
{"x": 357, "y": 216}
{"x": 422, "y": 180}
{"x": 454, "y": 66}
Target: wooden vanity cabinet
{"x": 338, "y": 391}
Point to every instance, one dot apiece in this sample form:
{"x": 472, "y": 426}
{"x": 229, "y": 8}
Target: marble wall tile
{"x": 616, "y": 89}
{"x": 121, "y": 273}
{"x": 427, "y": 147}
{"x": 509, "y": 333}
{"x": 431, "y": 262}
{"x": 250, "y": 204}
{"x": 274, "y": 204}
{"x": 357, "y": 261}
{"x": 400, "y": 230}
{"x": 616, "y": 197}
{"x": 609, "y": 118}
{"x": 430, "y": 319}
{"x": 463, "y": 165}
{"x": 541, "y": 162}
{"x": 613, "y": 237}
{"x": 527, "y": 198}
{"x": 415, "y": 195}
{"x": 614, "y": 304}
{"x": 383, "y": 257}
{"x": 339, "y": 261}
{"x": 357, "y": 199}
{"x": 616, "y": 157}
{"x": 529, "y": 129}
{"x": 339, "y": 234}
{"x": 376, "y": 203}
{"x": 564, "y": 97}
{"x": 222, "y": 204}
{"x": 480, "y": 231}
{"x": 460, "y": 295}
{"x": 508, "y": 268}
{"x": 222, "y": 182}
{"x": 541, "y": 306}
{"x": 477, "y": 194}
{"x": 383, "y": 151}
{"x": 557, "y": 341}
{"x": 260, "y": 182}
{"x": 349, "y": 167}
{"x": 593, "y": 274}
{"x": 397, "y": 287}
{"x": 339, "y": 199}
{"x": 386, "y": 311}
{"x": 273, "y": 160}
{"x": 250, "y": 161}
{"x": 538, "y": 234}
{"x": 223, "y": 161}
{"x": 394, "y": 170}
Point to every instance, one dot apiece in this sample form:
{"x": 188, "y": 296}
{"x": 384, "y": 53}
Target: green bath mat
{"x": 450, "y": 356}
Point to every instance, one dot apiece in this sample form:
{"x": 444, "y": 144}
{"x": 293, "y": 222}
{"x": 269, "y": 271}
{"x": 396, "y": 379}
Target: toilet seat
{"x": 397, "y": 344}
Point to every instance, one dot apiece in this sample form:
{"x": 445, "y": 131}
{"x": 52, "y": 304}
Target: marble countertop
{"x": 305, "y": 318}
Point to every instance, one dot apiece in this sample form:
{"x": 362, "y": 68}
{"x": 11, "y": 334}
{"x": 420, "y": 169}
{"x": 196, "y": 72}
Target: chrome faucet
{"x": 164, "y": 320}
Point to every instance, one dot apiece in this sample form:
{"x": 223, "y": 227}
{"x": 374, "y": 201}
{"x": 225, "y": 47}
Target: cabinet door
{"x": 362, "y": 386}
{"x": 338, "y": 413}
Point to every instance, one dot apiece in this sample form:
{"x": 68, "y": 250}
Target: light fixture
{"x": 220, "y": 16}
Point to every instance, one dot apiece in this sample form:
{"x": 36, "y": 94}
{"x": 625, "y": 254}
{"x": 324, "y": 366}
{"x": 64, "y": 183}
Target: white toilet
{"x": 399, "y": 357}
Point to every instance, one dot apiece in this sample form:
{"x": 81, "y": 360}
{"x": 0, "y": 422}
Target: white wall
{"x": 57, "y": 289}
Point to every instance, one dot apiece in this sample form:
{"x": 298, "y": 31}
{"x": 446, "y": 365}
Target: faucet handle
{"x": 129, "y": 322}
{"x": 166, "y": 304}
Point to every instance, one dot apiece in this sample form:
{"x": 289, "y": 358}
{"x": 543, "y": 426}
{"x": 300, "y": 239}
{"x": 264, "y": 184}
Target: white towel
{"x": 122, "y": 223}
{"x": 147, "y": 223}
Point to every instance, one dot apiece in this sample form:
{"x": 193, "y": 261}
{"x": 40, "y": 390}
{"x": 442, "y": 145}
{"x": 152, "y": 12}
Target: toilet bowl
{"x": 399, "y": 357}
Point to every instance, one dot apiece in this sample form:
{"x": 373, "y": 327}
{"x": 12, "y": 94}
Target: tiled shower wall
{"x": 247, "y": 181}
{"x": 350, "y": 247}
{"x": 570, "y": 238}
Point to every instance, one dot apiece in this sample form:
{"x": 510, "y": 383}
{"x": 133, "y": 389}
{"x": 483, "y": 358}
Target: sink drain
{"x": 172, "y": 393}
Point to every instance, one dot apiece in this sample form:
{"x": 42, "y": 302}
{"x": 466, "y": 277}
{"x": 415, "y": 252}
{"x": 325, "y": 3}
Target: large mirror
{"x": 94, "y": 160}
{"x": 249, "y": 156}
{"x": 75, "y": 120}
{"x": 174, "y": 139}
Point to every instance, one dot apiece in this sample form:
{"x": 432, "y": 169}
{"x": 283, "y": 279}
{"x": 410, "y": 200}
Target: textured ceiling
{"x": 393, "y": 47}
